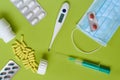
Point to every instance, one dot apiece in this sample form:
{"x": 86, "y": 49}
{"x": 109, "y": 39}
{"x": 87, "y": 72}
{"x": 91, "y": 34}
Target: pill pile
{"x": 25, "y": 54}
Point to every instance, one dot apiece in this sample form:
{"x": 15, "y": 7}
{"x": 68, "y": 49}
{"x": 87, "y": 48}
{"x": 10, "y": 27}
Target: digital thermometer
{"x": 59, "y": 21}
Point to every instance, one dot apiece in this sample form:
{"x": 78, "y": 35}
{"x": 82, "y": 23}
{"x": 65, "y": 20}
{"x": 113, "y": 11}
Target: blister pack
{"x": 9, "y": 70}
{"x": 92, "y": 21}
{"x": 30, "y": 9}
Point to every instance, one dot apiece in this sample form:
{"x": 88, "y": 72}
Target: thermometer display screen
{"x": 61, "y": 18}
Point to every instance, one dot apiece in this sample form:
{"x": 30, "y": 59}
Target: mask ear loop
{"x": 81, "y": 50}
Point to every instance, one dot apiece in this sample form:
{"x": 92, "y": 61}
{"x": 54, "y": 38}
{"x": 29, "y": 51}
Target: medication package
{"x": 9, "y": 70}
{"x": 101, "y": 20}
{"x": 30, "y": 9}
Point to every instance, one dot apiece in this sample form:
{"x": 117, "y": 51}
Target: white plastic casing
{"x": 6, "y": 32}
{"x": 42, "y": 67}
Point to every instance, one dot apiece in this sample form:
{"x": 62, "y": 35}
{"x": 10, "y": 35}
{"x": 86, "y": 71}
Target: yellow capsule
{"x": 27, "y": 66}
{"x": 14, "y": 51}
{"x": 17, "y": 58}
{"x": 17, "y": 42}
{"x": 32, "y": 51}
{"x": 26, "y": 56}
{"x": 31, "y": 64}
{"x": 25, "y": 61}
{"x": 14, "y": 46}
{"x": 23, "y": 44}
{"x": 22, "y": 37}
{"x": 22, "y": 57}
{"x": 22, "y": 47}
{"x": 36, "y": 65}
{"x": 31, "y": 60}
{"x": 28, "y": 49}
{"x": 18, "y": 53}
{"x": 25, "y": 51}
{"x": 31, "y": 56}
{"x": 18, "y": 49}
{"x": 22, "y": 54}
{"x": 33, "y": 70}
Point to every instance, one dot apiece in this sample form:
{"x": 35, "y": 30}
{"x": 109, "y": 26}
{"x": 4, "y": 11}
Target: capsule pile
{"x": 25, "y": 54}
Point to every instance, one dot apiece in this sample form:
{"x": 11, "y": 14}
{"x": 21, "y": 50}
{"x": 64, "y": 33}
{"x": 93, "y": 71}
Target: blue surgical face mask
{"x": 108, "y": 17}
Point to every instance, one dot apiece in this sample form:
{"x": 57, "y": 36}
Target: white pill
{"x": 41, "y": 15}
{"x": 36, "y": 9}
{"x": 19, "y": 4}
{"x": 24, "y": 9}
{"x": 34, "y": 21}
{"x": 29, "y": 15}
{"x": 31, "y": 4}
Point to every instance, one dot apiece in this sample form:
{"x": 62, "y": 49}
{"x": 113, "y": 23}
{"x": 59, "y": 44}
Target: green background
{"x": 38, "y": 37}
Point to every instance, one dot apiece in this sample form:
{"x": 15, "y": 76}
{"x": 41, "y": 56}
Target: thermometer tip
{"x": 49, "y": 49}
